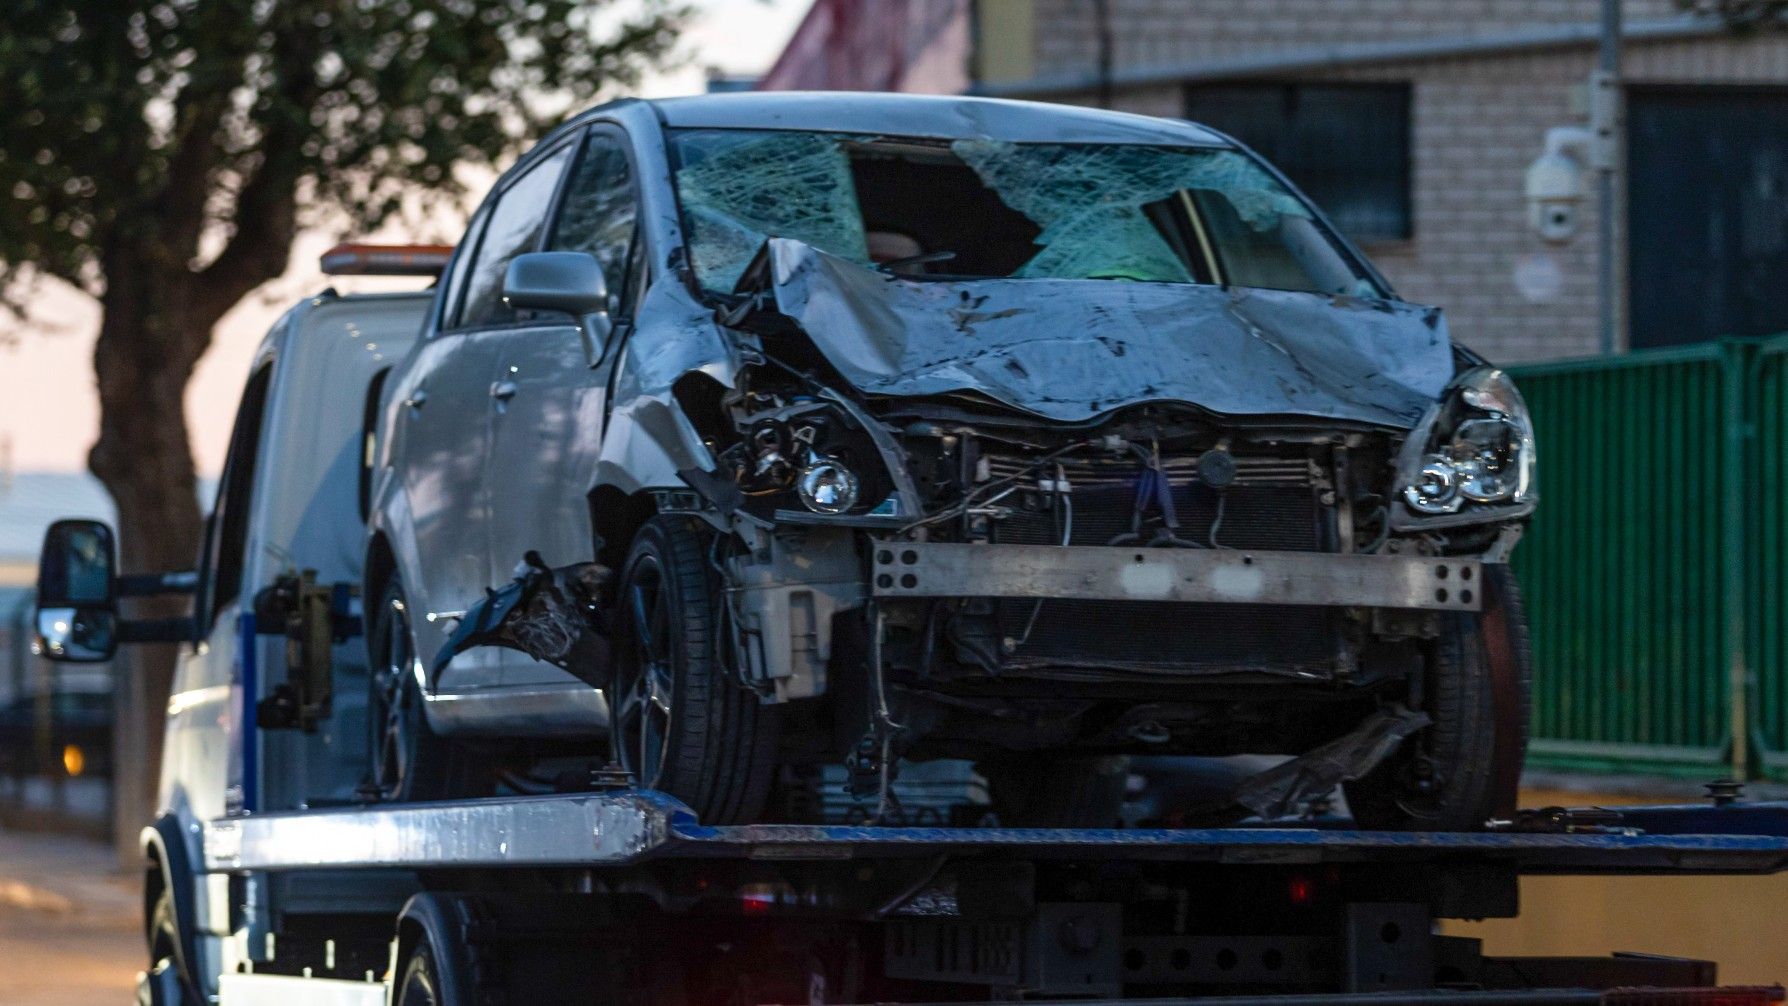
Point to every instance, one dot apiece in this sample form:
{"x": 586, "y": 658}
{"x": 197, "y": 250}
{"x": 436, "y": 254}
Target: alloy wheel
{"x": 645, "y": 675}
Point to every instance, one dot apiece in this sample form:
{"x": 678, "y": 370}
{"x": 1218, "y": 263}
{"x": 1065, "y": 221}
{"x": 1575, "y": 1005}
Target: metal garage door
{"x": 1707, "y": 213}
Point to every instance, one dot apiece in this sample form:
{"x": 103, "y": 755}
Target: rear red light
{"x": 1731, "y": 995}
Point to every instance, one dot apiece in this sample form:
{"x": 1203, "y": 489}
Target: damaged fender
{"x": 649, "y": 438}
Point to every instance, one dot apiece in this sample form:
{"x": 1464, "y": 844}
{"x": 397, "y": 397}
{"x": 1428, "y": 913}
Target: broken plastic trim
{"x": 1275, "y": 792}
{"x": 552, "y": 615}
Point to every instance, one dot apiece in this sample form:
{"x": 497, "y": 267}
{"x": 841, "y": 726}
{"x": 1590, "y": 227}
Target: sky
{"x": 49, "y": 412}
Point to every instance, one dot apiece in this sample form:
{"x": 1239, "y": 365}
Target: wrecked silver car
{"x": 876, "y": 429}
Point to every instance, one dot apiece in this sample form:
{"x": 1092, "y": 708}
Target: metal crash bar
{"x": 1222, "y": 576}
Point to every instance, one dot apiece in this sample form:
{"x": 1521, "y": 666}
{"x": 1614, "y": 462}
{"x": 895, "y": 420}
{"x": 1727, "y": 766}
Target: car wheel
{"x": 421, "y": 985}
{"x": 1458, "y": 772}
{"x": 1057, "y": 792}
{"x": 408, "y": 762}
{"x": 682, "y": 723}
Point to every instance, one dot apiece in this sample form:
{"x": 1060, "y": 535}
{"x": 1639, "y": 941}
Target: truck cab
{"x": 284, "y": 535}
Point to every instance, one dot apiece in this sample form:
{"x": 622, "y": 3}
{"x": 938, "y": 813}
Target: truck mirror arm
{"x": 158, "y": 630}
{"x": 185, "y": 581}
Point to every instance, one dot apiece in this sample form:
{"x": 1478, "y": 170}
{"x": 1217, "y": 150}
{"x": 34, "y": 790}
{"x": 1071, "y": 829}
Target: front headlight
{"x": 1471, "y": 459}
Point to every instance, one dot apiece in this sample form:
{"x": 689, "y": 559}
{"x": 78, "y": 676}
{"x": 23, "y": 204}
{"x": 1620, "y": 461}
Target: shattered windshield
{"x": 977, "y": 209}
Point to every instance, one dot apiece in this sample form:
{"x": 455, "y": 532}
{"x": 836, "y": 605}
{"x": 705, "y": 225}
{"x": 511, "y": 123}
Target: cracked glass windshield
{"x": 976, "y": 209}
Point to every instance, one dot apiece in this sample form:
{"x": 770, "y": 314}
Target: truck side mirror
{"x": 568, "y": 281}
{"x": 77, "y": 592}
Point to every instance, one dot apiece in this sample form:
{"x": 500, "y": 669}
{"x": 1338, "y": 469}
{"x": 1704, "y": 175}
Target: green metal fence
{"x": 1654, "y": 570}
{"x": 1764, "y": 556}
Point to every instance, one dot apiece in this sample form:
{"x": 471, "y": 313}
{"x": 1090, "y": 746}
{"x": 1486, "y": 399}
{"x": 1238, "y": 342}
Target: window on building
{"x": 1346, "y": 145}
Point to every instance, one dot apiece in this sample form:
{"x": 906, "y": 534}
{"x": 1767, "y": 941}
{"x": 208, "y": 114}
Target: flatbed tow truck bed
{"x": 609, "y": 893}
{"x": 628, "y": 827}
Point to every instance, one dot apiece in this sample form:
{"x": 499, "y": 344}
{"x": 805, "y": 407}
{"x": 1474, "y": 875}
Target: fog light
{"x": 827, "y": 487}
{"x": 1435, "y": 489}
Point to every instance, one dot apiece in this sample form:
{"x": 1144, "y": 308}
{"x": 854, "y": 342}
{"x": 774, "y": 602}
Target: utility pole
{"x": 1604, "y": 98}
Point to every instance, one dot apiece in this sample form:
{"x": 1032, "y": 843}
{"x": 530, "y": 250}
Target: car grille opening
{"x": 1273, "y": 504}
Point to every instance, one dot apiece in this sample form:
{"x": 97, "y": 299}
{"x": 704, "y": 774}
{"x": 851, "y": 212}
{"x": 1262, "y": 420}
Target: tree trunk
{"x": 147, "y": 348}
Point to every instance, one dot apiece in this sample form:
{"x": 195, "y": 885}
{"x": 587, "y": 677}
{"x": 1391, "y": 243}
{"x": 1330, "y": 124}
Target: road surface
{"x": 69, "y": 929}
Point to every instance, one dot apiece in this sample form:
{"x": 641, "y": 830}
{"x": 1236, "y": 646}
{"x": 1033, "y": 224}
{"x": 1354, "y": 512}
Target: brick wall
{"x": 1156, "y": 32}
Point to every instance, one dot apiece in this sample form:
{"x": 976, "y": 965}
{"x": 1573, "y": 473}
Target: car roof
{"x": 936, "y": 116}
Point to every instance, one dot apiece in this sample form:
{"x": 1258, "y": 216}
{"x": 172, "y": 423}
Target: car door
{"x": 446, "y": 411}
{"x": 552, "y": 387}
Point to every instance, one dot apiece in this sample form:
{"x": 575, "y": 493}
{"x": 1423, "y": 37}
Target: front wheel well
{"x": 380, "y": 567}
{"x": 615, "y": 517}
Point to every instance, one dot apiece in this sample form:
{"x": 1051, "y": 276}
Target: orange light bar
{"x": 386, "y": 260}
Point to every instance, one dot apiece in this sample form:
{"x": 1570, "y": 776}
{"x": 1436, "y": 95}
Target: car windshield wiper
{"x": 928, "y": 257}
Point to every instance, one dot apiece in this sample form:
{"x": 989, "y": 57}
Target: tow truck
{"x": 272, "y": 875}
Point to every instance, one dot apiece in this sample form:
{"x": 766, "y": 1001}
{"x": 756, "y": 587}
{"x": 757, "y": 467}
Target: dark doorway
{"x": 1707, "y": 213}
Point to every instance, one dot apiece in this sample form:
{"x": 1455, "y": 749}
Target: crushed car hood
{"x": 1071, "y": 350}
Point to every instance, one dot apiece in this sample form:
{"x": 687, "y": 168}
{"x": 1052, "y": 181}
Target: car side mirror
{"x": 77, "y": 593}
{"x": 568, "y": 281}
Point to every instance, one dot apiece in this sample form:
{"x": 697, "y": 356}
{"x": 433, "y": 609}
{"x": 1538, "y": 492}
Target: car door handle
{"x": 503, "y": 391}
{"x": 417, "y": 399}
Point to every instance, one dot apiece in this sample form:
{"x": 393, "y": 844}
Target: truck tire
{"x": 1043, "y": 792}
{"x": 166, "y": 983}
{"x": 406, "y": 760}
{"x": 1449, "y": 776}
{"x": 682, "y": 723}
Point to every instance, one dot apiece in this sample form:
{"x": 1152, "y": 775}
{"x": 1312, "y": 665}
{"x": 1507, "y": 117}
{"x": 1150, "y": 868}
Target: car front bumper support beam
{"x": 1202, "y": 576}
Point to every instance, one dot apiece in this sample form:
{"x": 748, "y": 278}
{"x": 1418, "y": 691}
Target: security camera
{"x": 1555, "y": 189}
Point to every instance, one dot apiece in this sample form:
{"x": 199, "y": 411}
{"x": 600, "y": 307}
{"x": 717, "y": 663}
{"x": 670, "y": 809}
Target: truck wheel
{"x": 1449, "y": 777}
{"x": 408, "y": 762}
{"x": 682, "y": 723}
{"x": 1057, "y": 792}
{"x": 165, "y": 983}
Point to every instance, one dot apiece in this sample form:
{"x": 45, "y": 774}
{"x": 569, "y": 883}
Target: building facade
{"x": 1413, "y": 122}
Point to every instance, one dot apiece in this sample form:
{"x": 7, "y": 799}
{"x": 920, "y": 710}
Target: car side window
{"x": 515, "y": 227}
{"x": 455, "y": 284}
{"x": 600, "y": 211}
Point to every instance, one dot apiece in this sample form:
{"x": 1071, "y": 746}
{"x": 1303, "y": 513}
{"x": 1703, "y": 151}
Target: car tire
{"x": 406, "y": 760}
{"x": 681, "y": 721}
{"x": 1450, "y": 776}
{"x": 1042, "y": 792}
{"x": 421, "y": 983}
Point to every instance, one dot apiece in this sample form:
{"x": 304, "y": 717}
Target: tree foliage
{"x": 193, "y": 126}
